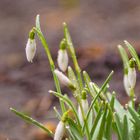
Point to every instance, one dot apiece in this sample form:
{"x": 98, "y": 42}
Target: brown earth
{"x": 96, "y": 28}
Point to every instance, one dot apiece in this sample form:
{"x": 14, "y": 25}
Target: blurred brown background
{"x": 96, "y": 26}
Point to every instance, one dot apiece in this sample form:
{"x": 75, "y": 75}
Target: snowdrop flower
{"x": 130, "y": 77}
{"x": 30, "y": 47}
{"x": 62, "y": 58}
{"x": 64, "y": 79}
{"x": 126, "y": 84}
{"x": 60, "y": 130}
{"x": 85, "y": 106}
{"x": 132, "y": 73}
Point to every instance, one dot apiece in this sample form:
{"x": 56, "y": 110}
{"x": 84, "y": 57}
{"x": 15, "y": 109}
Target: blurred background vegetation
{"x": 96, "y": 26}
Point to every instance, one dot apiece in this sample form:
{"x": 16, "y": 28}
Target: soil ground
{"x": 96, "y": 28}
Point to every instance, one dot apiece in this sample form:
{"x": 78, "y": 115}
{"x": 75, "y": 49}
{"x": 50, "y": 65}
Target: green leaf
{"x": 73, "y": 54}
{"x": 102, "y": 126}
{"x": 134, "y": 115}
{"x": 69, "y": 40}
{"x": 108, "y": 128}
{"x": 97, "y": 89}
{"x": 96, "y": 131}
{"x": 124, "y": 57}
{"x": 87, "y": 81}
{"x": 73, "y": 79}
{"x": 74, "y": 128}
{"x": 38, "y": 22}
{"x": 57, "y": 113}
{"x": 32, "y": 121}
{"x": 68, "y": 102}
{"x": 125, "y": 133}
{"x": 133, "y": 53}
{"x": 117, "y": 106}
{"x": 90, "y": 87}
{"x": 112, "y": 101}
{"x": 97, "y": 118}
{"x": 118, "y": 125}
{"x": 97, "y": 95}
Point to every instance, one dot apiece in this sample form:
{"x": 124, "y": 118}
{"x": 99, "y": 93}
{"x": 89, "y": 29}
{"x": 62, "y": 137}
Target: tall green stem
{"x": 73, "y": 55}
{"x": 52, "y": 66}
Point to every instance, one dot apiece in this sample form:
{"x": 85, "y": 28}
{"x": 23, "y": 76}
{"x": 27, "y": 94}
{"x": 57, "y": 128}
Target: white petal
{"x": 126, "y": 84}
{"x": 30, "y": 49}
{"x": 60, "y": 130}
{"x": 62, "y": 78}
{"x": 132, "y": 77}
{"x": 62, "y": 59}
{"x": 84, "y": 103}
{"x": 80, "y": 115}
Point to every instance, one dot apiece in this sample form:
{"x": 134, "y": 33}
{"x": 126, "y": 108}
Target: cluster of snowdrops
{"x": 96, "y": 114}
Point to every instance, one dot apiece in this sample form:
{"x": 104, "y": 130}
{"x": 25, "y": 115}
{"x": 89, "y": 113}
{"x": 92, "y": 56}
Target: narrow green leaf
{"x": 108, "y": 128}
{"x": 57, "y": 113}
{"x": 97, "y": 118}
{"x": 124, "y": 57}
{"x": 125, "y": 133}
{"x": 97, "y": 95}
{"x": 32, "y": 121}
{"x": 52, "y": 66}
{"x": 117, "y": 106}
{"x": 38, "y": 22}
{"x": 112, "y": 101}
{"x": 133, "y": 53}
{"x": 134, "y": 114}
{"x": 68, "y": 102}
{"x": 102, "y": 126}
{"x": 73, "y": 54}
{"x": 73, "y": 79}
{"x": 87, "y": 81}
{"x": 118, "y": 125}
{"x": 74, "y": 129}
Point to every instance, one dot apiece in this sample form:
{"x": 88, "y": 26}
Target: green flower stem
{"x": 73, "y": 55}
{"x": 132, "y": 96}
{"x": 78, "y": 71}
{"x": 52, "y": 66}
{"x": 32, "y": 121}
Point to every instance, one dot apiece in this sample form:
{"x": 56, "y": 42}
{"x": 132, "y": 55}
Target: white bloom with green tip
{"x": 62, "y": 59}
{"x": 30, "y": 49}
{"x": 85, "y": 106}
{"x": 126, "y": 84}
{"x": 132, "y": 77}
{"x": 64, "y": 79}
{"x": 31, "y": 46}
{"x": 60, "y": 130}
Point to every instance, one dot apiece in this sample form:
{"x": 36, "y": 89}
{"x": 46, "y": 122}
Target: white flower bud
{"x": 62, "y": 59}
{"x": 126, "y": 84}
{"x": 30, "y": 49}
{"x": 60, "y": 130}
{"x": 84, "y": 103}
{"x": 132, "y": 77}
{"x": 64, "y": 79}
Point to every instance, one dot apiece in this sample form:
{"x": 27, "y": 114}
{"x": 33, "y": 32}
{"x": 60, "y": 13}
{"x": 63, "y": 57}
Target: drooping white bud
{"x": 60, "y": 130}
{"x": 84, "y": 103}
{"x": 62, "y": 59}
{"x": 127, "y": 86}
{"x": 132, "y": 77}
{"x": 64, "y": 79}
{"x": 31, "y": 47}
